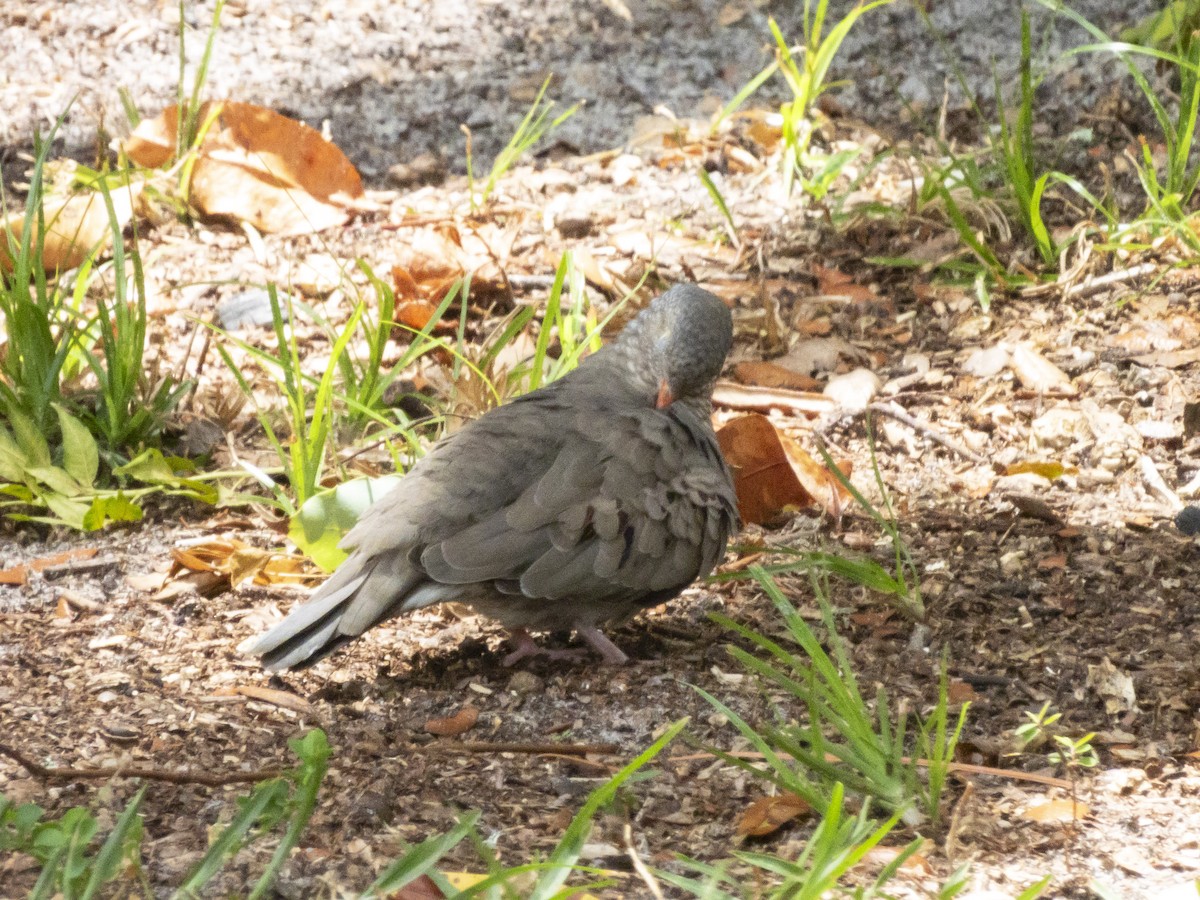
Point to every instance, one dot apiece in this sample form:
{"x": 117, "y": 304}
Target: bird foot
{"x": 524, "y": 646}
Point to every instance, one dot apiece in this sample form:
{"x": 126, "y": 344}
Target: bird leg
{"x": 524, "y": 646}
{"x": 613, "y": 655}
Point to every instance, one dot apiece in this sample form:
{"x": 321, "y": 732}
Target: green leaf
{"x": 81, "y": 457}
{"x": 29, "y": 438}
{"x": 68, "y": 510}
{"x": 12, "y": 460}
{"x": 111, "y": 509}
{"x": 149, "y": 466}
{"x": 56, "y": 479}
{"x": 324, "y": 519}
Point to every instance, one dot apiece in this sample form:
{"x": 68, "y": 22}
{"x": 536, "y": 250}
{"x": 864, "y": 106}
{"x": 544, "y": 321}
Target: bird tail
{"x": 363, "y": 592}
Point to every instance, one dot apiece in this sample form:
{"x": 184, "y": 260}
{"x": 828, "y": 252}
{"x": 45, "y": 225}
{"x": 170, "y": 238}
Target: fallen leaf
{"x": 452, "y": 726}
{"x": 75, "y": 227}
{"x": 836, "y": 283}
{"x": 1114, "y": 685}
{"x": 772, "y": 375}
{"x": 1057, "y": 812}
{"x": 257, "y": 166}
{"x": 768, "y": 814}
{"x": 762, "y": 476}
{"x": 818, "y": 481}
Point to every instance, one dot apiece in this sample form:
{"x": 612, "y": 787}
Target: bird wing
{"x": 637, "y": 507}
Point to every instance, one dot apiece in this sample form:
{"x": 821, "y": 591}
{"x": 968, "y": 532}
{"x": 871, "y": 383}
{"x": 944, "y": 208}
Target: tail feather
{"x": 363, "y": 592}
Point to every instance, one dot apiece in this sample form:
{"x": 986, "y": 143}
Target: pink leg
{"x": 613, "y": 655}
{"x": 524, "y": 646}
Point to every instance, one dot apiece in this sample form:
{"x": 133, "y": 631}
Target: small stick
{"x": 893, "y": 411}
{"x": 519, "y": 747}
{"x": 1090, "y": 286}
{"x": 963, "y": 768}
{"x": 150, "y": 773}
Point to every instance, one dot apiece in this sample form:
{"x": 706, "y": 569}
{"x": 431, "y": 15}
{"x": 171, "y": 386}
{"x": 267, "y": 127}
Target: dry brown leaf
{"x": 415, "y": 314}
{"x": 1057, "y": 812}
{"x": 960, "y": 692}
{"x": 771, "y": 375}
{"x": 19, "y": 575}
{"x": 75, "y": 227}
{"x": 818, "y": 482}
{"x": 277, "y": 698}
{"x": 767, "y": 814}
{"x": 836, "y": 283}
{"x": 257, "y": 166}
{"x": 421, "y": 888}
{"x": 452, "y": 726}
{"x": 762, "y": 476}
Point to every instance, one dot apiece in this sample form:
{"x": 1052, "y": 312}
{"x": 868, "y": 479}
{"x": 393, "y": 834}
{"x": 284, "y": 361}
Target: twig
{"x": 961, "y": 768}
{"x": 150, "y": 773}
{"x": 1090, "y": 286}
{"x": 893, "y": 411}
{"x": 518, "y": 747}
{"x": 530, "y": 282}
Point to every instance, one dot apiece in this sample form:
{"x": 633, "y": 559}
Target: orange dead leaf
{"x": 217, "y": 566}
{"x": 818, "y": 481}
{"x": 422, "y": 888}
{"x": 75, "y": 227}
{"x": 1057, "y": 811}
{"x": 815, "y": 327}
{"x": 255, "y": 165}
{"x": 775, "y": 376}
{"x": 768, "y": 814}
{"x": 835, "y": 282}
{"x": 765, "y": 483}
{"x": 1054, "y": 561}
{"x": 452, "y": 726}
{"x": 960, "y": 692}
{"x": 415, "y": 314}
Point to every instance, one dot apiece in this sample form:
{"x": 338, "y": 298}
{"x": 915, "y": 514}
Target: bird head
{"x": 675, "y": 348}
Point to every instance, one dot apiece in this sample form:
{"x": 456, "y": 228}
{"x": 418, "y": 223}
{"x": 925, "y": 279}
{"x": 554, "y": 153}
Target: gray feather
{"x": 576, "y": 504}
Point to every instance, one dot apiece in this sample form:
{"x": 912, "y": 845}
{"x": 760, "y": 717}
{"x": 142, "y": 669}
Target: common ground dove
{"x": 580, "y": 503}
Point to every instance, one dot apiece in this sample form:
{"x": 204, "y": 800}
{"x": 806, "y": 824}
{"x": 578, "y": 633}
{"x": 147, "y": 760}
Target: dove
{"x": 576, "y": 505}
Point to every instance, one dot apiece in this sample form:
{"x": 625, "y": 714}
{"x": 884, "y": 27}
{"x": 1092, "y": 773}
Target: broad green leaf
{"x": 69, "y": 510}
{"x": 149, "y": 466}
{"x": 56, "y": 479}
{"x": 111, "y": 509}
{"x": 12, "y": 460}
{"x": 29, "y": 438}
{"x": 324, "y": 519}
{"x": 81, "y": 457}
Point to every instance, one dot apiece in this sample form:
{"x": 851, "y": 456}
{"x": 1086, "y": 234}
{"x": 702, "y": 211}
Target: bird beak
{"x": 665, "y": 397}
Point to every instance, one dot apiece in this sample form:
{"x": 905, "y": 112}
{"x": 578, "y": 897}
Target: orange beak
{"x": 665, "y": 397}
